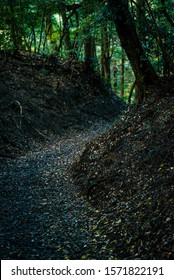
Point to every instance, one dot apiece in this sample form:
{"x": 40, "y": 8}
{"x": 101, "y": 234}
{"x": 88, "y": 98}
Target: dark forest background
{"x": 130, "y": 43}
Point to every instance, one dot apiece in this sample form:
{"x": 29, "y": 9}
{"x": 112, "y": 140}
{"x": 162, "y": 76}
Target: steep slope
{"x": 43, "y": 96}
{"x": 128, "y": 175}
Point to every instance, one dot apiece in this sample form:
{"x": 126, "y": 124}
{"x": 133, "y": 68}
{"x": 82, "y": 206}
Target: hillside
{"x": 127, "y": 174}
{"x": 42, "y": 97}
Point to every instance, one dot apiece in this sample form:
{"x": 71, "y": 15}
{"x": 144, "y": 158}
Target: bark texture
{"x": 142, "y": 68}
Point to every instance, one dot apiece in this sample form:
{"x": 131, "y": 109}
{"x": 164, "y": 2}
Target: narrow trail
{"x": 43, "y": 214}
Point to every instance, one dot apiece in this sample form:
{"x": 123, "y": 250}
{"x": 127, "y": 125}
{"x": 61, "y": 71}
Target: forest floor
{"x": 44, "y": 215}
{"x": 79, "y": 180}
{"x": 128, "y": 174}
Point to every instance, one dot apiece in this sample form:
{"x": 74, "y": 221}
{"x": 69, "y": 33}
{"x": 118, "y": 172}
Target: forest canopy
{"x": 130, "y": 43}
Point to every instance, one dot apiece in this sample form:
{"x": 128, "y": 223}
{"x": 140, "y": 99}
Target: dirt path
{"x": 43, "y": 213}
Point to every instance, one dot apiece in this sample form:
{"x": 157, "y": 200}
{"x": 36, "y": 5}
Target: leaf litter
{"x": 127, "y": 174}
{"x": 44, "y": 216}
{"x": 47, "y": 218}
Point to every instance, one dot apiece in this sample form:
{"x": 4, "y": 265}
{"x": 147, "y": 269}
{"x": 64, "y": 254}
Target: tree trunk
{"x": 42, "y": 28}
{"x": 142, "y": 68}
{"x": 89, "y": 52}
{"x": 66, "y": 31}
{"x": 15, "y": 36}
{"x": 122, "y": 71}
{"x": 105, "y": 56}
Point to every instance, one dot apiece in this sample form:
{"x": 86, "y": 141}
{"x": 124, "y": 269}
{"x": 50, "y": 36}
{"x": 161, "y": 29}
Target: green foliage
{"x": 155, "y": 31}
{"x": 63, "y": 27}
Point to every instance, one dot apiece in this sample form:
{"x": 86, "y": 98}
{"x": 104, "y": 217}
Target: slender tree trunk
{"x": 89, "y": 52}
{"x": 33, "y": 40}
{"x": 14, "y": 33}
{"x": 115, "y": 71}
{"x": 49, "y": 30}
{"x": 42, "y": 28}
{"x": 76, "y": 38}
{"x": 122, "y": 71}
{"x": 105, "y": 55}
{"x": 66, "y": 33}
{"x": 142, "y": 68}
